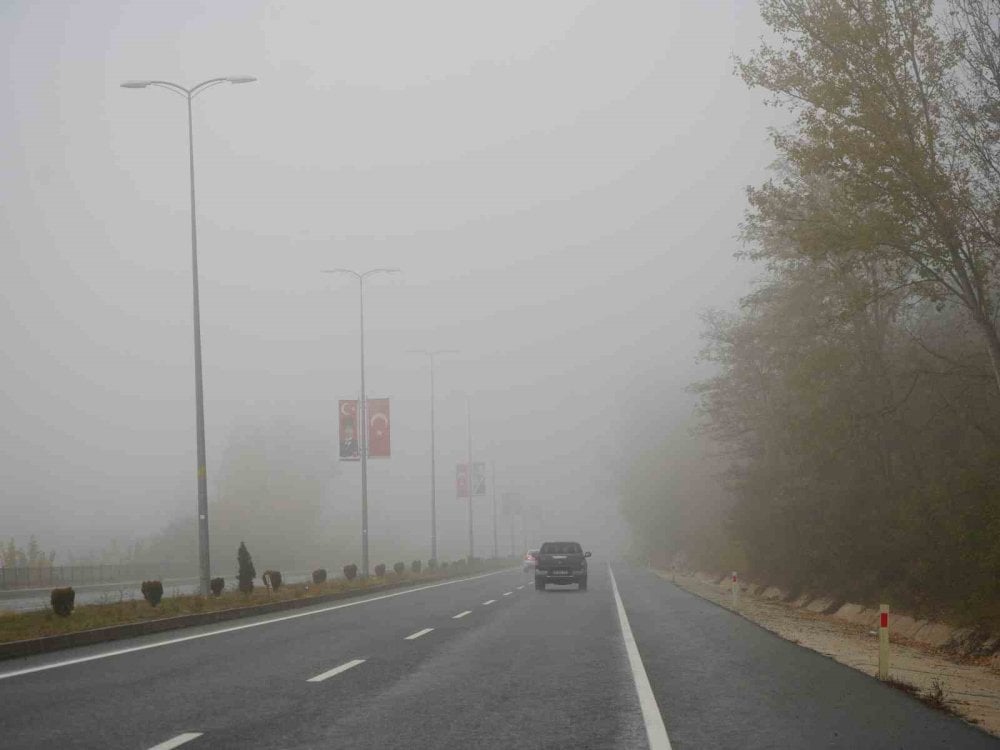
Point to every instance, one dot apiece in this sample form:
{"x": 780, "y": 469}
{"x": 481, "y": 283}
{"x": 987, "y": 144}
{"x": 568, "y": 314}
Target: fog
{"x": 561, "y": 185}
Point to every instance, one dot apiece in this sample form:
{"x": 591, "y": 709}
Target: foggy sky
{"x": 560, "y": 182}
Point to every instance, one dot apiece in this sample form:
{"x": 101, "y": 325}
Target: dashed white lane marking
{"x": 336, "y": 670}
{"x": 508, "y": 593}
{"x": 234, "y": 628}
{"x": 414, "y": 636}
{"x": 488, "y": 601}
{"x": 460, "y": 615}
{"x": 177, "y": 741}
{"x": 656, "y": 733}
{"x": 520, "y": 587}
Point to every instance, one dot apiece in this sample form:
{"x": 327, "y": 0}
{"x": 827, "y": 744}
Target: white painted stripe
{"x": 488, "y": 601}
{"x": 508, "y": 593}
{"x": 234, "y": 628}
{"x": 336, "y": 670}
{"x": 414, "y": 636}
{"x": 460, "y": 615}
{"x": 177, "y": 741}
{"x": 656, "y": 733}
{"x": 520, "y": 587}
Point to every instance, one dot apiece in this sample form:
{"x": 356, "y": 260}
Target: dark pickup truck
{"x": 561, "y": 563}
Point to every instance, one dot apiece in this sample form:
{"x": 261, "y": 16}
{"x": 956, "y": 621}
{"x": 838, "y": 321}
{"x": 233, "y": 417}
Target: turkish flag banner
{"x": 349, "y": 447}
{"x": 461, "y": 480}
{"x": 378, "y": 428}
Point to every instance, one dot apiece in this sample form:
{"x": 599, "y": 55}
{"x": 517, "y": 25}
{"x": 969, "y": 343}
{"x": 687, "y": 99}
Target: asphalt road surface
{"x": 480, "y": 663}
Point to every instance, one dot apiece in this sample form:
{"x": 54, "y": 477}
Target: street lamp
{"x": 363, "y": 409}
{"x": 430, "y": 354}
{"x": 204, "y": 567}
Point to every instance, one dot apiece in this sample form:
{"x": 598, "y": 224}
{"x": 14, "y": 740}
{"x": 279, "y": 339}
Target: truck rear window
{"x": 561, "y": 548}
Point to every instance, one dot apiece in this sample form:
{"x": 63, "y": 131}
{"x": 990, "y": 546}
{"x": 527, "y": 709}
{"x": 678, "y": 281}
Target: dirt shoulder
{"x": 971, "y": 690}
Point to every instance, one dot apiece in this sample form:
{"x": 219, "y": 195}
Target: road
{"x": 479, "y": 663}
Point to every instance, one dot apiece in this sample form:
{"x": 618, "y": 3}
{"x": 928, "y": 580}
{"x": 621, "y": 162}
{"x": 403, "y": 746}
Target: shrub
{"x": 399, "y": 568}
{"x": 319, "y": 576}
{"x": 247, "y": 572}
{"x": 350, "y": 572}
{"x": 62, "y": 601}
{"x": 416, "y": 566}
{"x": 444, "y": 565}
{"x": 217, "y": 584}
{"x": 380, "y": 570}
{"x": 272, "y": 579}
{"x": 152, "y": 592}
{"x": 432, "y": 564}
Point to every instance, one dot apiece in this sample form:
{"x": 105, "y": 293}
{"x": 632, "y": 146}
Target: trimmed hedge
{"x": 319, "y": 576}
{"x": 272, "y": 579}
{"x": 380, "y": 570}
{"x": 247, "y": 572}
{"x": 350, "y": 572}
{"x": 399, "y": 568}
{"x": 416, "y": 566}
{"x": 62, "y": 600}
{"x": 217, "y": 585}
{"x": 152, "y": 592}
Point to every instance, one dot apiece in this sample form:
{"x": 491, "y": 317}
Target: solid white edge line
{"x": 336, "y": 670}
{"x": 414, "y": 636}
{"x": 177, "y": 741}
{"x": 656, "y": 732}
{"x": 234, "y": 628}
{"x": 460, "y": 615}
{"x": 489, "y": 601}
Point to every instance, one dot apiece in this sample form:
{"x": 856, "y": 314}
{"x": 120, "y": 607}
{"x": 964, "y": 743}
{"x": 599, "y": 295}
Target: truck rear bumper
{"x": 573, "y": 577}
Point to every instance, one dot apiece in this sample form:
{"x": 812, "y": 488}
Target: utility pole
{"x": 204, "y": 563}
{"x": 363, "y": 410}
{"x": 430, "y": 356}
{"x": 495, "y": 550}
{"x": 468, "y": 418}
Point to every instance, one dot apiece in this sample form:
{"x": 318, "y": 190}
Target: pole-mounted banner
{"x": 350, "y": 449}
{"x": 378, "y": 428}
{"x": 478, "y": 479}
{"x": 462, "y": 481}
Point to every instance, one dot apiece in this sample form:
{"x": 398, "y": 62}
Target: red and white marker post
{"x": 736, "y": 592}
{"x": 883, "y": 642}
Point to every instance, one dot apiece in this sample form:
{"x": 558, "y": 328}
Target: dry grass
{"x": 129, "y": 606}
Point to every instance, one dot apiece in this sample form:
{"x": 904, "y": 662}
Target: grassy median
{"x": 131, "y": 607}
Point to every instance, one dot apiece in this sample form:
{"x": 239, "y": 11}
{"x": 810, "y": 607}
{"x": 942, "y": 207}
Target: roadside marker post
{"x": 736, "y": 592}
{"x": 883, "y": 641}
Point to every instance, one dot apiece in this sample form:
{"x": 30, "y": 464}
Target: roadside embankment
{"x": 931, "y": 656}
{"x": 24, "y": 634}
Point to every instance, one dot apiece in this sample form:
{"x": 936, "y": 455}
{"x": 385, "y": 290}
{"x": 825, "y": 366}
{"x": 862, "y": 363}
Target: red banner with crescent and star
{"x": 378, "y": 428}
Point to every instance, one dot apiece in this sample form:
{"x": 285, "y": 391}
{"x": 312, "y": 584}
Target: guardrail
{"x": 12, "y": 578}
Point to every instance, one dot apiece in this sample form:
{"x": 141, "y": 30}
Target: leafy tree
{"x": 872, "y": 83}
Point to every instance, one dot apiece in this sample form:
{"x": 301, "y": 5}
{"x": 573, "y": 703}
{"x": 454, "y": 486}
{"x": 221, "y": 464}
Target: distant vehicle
{"x": 561, "y": 563}
{"x": 529, "y": 560}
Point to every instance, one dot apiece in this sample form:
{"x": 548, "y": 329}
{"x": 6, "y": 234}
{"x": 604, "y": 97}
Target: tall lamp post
{"x": 363, "y": 408}
{"x": 431, "y": 354}
{"x": 204, "y": 566}
{"x": 468, "y": 428}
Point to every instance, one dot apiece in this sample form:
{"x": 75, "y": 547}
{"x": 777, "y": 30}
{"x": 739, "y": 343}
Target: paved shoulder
{"x": 724, "y": 682}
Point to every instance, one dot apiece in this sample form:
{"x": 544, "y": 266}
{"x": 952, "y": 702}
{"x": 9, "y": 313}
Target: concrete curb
{"x": 34, "y": 646}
